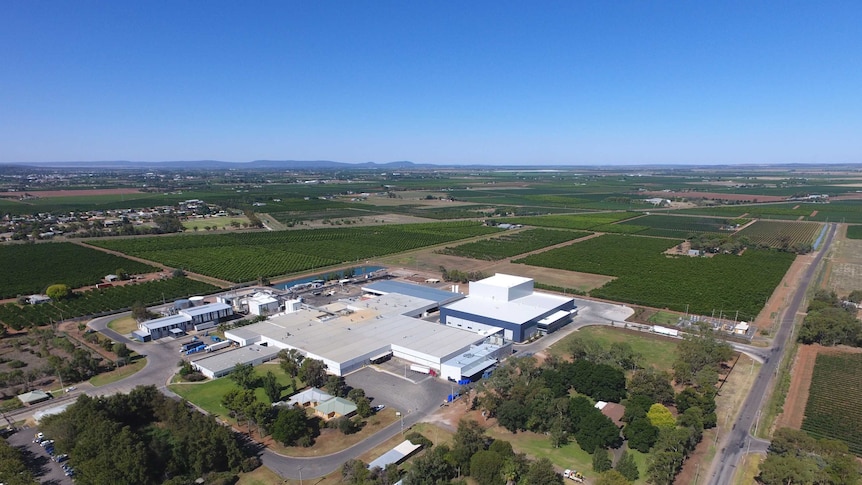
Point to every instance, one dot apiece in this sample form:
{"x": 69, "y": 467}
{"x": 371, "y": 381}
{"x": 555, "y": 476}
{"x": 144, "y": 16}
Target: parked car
{"x": 61, "y": 458}
{"x": 379, "y": 408}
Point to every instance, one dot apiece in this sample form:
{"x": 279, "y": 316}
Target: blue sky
{"x": 499, "y": 82}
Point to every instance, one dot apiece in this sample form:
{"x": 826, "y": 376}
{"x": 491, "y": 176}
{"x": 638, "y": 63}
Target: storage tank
{"x": 197, "y": 300}
{"x": 182, "y": 304}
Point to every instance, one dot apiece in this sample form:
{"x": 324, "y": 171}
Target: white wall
{"x": 471, "y": 326}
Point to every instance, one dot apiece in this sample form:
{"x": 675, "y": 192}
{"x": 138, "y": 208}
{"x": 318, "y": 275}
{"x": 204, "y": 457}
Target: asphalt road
{"x": 740, "y": 441}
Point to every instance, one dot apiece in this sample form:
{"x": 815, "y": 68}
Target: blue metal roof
{"x": 416, "y": 291}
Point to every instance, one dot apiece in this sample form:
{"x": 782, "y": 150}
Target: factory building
{"x": 196, "y": 317}
{"x": 508, "y": 302}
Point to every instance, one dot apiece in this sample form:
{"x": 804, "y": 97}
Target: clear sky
{"x": 502, "y": 82}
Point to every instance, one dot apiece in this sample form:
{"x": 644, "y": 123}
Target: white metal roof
{"x": 223, "y": 361}
{"x": 200, "y": 310}
{"x": 167, "y": 321}
{"x": 517, "y": 311}
{"x": 504, "y": 280}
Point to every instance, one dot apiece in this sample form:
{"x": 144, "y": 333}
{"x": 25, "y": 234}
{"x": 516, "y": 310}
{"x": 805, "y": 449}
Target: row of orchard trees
{"x": 525, "y": 396}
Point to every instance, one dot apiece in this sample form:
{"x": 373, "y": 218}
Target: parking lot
{"x": 401, "y": 394}
{"x": 37, "y": 459}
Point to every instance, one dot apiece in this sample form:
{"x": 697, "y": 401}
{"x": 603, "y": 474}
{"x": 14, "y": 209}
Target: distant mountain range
{"x": 398, "y": 165}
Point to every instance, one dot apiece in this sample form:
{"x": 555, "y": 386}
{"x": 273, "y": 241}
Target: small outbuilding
{"x": 34, "y": 397}
{"x": 335, "y": 408}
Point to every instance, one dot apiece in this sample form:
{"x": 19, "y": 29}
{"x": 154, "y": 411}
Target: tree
{"x": 313, "y": 372}
{"x": 595, "y": 430}
{"x": 663, "y": 466}
{"x": 612, "y": 477}
{"x": 271, "y": 387}
{"x": 697, "y": 351}
{"x": 541, "y": 472}
{"x": 627, "y": 467}
{"x": 122, "y": 274}
{"x": 243, "y": 375}
{"x": 290, "y": 361}
{"x": 58, "y": 292}
{"x": 122, "y": 351}
{"x": 467, "y": 441}
{"x": 335, "y": 386}
{"x": 290, "y": 425}
{"x": 431, "y": 468}
{"x": 355, "y": 472}
{"x": 486, "y": 467}
{"x": 641, "y": 434}
{"x": 602, "y": 460}
{"x": 512, "y": 415}
{"x": 140, "y": 312}
{"x": 660, "y": 416}
{"x": 653, "y": 384}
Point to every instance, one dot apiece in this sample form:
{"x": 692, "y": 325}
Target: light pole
{"x": 398, "y": 414}
{"x": 300, "y": 475}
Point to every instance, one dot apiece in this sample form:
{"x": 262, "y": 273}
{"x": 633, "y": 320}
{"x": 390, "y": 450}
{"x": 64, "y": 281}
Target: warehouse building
{"x": 222, "y": 363}
{"x": 347, "y": 335}
{"x": 508, "y": 302}
{"x": 195, "y": 317}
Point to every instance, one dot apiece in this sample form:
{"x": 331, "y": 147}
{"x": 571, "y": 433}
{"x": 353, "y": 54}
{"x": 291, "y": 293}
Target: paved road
{"x": 739, "y": 441}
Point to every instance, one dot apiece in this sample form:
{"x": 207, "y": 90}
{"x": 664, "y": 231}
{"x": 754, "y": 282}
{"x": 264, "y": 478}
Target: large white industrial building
{"x": 197, "y": 317}
{"x": 508, "y": 302}
{"x": 399, "y": 320}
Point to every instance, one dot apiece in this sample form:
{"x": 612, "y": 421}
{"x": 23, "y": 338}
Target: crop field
{"x": 647, "y": 277}
{"x": 582, "y": 222}
{"x": 30, "y": 268}
{"x": 246, "y": 256}
{"x": 854, "y": 232}
{"x": 834, "y": 408}
{"x": 682, "y": 227}
{"x": 98, "y": 301}
{"x": 781, "y": 235}
{"x": 849, "y": 211}
{"x": 509, "y": 245}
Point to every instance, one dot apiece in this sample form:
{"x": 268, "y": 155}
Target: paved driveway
{"x": 396, "y": 391}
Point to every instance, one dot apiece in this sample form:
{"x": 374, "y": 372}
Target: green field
{"x": 247, "y": 256}
{"x": 100, "y": 301}
{"x": 682, "y": 227}
{"x": 30, "y": 268}
{"x": 854, "y": 232}
{"x": 657, "y": 352}
{"x": 208, "y": 394}
{"x": 509, "y": 245}
{"x": 647, "y": 277}
{"x": 834, "y": 408}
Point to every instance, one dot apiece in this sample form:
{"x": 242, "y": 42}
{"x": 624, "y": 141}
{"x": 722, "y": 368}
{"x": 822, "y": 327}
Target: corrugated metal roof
{"x": 200, "y": 310}
{"x": 416, "y": 291}
{"x": 395, "y": 455}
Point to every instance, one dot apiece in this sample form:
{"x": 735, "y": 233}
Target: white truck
{"x": 218, "y": 345}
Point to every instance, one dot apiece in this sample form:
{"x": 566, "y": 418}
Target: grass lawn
{"x": 748, "y": 469}
{"x": 208, "y": 394}
{"x": 138, "y": 363}
{"x": 123, "y": 326}
{"x": 659, "y": 352}
{"x": 662, "y": 317}
{"x": 217, "y": 222}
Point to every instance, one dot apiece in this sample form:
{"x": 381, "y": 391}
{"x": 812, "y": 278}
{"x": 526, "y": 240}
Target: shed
{"x": 741, "y": 328}
{"x": 395, "y": 456}
{"x": 34, "y": 397}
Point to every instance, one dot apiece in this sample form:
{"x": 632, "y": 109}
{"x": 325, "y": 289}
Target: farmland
{"x": 781, "y": 235}
{"x": 682, "y": 227}
{"x": 849, "y": 211}
{"x": 98, "y": 301}
{"x": 30, "y": 268}
{"x": 247, "y": 256}
{"x": 854, "y": 232}
{"x": 509, "y": 245}
{"x": 574, "y": 221}
{"x": 645, "y": 276}
{"x": 834, "y": 408}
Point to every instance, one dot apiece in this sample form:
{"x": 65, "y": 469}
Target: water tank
{"x": 182, "y": 304}
{"x": 197, "y": 300}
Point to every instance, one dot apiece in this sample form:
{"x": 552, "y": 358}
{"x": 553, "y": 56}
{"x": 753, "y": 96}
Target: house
{"x": 37, "y": 299}
{"x": 308, "y": 398}
{"x": 335, "y": 408}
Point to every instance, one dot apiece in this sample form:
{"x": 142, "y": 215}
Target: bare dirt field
{"x": 72, "y": 193}
{"x": 767, "y": 317}
{"x": 800, "y": 382}
{"x": 844, "y": 265}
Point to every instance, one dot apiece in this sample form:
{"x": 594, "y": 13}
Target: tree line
{"x": 145, "y": 437}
